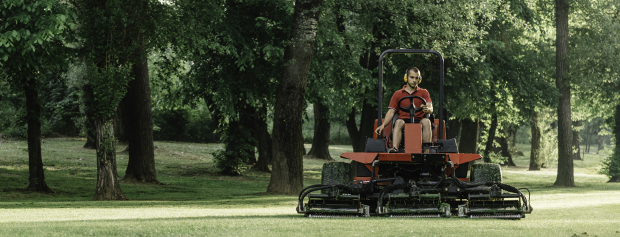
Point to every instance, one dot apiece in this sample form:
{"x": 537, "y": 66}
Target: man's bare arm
{"x": 388, "y": 118}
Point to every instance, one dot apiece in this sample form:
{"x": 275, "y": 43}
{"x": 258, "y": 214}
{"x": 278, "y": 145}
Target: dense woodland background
{"x": 265, "y": 76}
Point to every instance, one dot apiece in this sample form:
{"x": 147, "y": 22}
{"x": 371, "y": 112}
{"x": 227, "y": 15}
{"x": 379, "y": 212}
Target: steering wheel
{"x": 412, "y": 109}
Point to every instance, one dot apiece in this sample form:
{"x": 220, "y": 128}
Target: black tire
{"x": 461, "y": 171}
{"x": 353, "y": 169}
{"x": 486, "y": 173}
{"x": 335, "y": 173}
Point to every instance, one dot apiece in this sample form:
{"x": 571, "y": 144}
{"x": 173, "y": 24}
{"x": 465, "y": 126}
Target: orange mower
{"x": 411, "y": 183}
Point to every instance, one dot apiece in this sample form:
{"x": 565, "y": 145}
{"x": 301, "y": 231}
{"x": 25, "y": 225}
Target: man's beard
{"x": 413, "y": 85}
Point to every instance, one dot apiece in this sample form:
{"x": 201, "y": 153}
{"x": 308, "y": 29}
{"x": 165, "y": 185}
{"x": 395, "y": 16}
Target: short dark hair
{"x": 415, "y": 69}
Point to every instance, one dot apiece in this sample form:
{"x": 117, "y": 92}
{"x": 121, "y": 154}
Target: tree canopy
{"x": 228, "y": 57}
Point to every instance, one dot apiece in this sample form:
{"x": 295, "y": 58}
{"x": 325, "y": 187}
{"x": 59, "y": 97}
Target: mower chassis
{"x": 425, "y": 198}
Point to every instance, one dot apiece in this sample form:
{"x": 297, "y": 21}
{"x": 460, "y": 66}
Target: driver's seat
{"x": 401, "y": 148}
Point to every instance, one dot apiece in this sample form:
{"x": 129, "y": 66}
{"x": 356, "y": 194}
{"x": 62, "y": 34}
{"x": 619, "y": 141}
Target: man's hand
{"x": 379, "y": 129}
{"x": 427, "y": 108}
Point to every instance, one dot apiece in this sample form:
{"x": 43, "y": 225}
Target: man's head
{"x": 413, "y": 77}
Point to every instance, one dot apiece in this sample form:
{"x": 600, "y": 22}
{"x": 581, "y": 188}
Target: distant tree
{"x": 145, "y": 14}
{"x": 110, "y": 43}
{"x": 576, "y": 140}
{"x": 514, "y": 73}
{"x": 611, "y": 165}
{"x": 320, "y": 140}
{"x": 110, "y": 84}
{"x": 535, "y": 149}
{"x": 134, "y": 28}
{"x": 505, "y": 141}
{"x": 469, "y": 136}
{"x": 491, "y": 135}
{"x": 264, "y": 142}
{"x": 595, "y": 33}
{"x": 32, "y": 45}
{"x": 565, "y": 176}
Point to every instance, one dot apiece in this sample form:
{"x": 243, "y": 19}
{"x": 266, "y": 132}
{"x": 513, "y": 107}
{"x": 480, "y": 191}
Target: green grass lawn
{"x": 194, "y": 200}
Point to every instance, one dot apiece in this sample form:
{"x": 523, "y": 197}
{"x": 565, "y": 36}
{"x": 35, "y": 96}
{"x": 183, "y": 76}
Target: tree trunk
{"x": 535, "y": 158}
{"x": 601, "y": 144}
{"x": 108, "y": 187}
{"x": 358, "y": 136}
{"x": 576, "y": 146}
{"x": 263, "y": 139}
{"x": 249, "y": 119}
{"x": 587, "y": 129}
{"x": 453, "y": 127}
{"x": 287, "y": 168}
{"x": 353, "y": 132}
{"x": 565, "y": 177}
{"x": 491, "y": 137}
{"x": 141, "y": 164}
{"x": 215, "y": 113}
{"x": 469, "y": 136}
{"x": 320, "y": 141}
{"x": 33, "y": 118}
{"x": 120, "y": 122}
{"x": 504, "y": 143}
{"x": 90, "y": 126}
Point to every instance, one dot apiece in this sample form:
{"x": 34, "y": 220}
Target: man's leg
{"x": 427, "y": 134}
{"x": 397, "y": 133}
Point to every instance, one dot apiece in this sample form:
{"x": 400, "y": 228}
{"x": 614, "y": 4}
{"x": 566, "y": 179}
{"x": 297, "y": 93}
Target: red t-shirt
{"x": 405, "y": 103}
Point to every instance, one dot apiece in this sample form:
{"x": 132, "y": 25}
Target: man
{"x": 413, "y": 78}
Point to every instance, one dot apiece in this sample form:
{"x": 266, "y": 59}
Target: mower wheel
{"x": 335, "y": 173}
{"x": 353, "y": 169}
{"x": 486, "y": 173}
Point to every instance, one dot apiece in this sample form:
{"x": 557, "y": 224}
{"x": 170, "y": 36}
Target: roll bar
{"x": 412, "y": 51}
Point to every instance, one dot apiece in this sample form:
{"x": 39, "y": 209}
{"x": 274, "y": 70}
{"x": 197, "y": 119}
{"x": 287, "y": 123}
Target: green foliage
{"x": 30, "y": 32}
{"x": 236, "y": 59}
{"x": 548, "y": 138}
{"x": 106, "y": 144}
{"x": 184, "y": 124}
{"x": 514, "y": 73}
{"x": 109, "y": 86}
{"x": 237, "y": 151}
{"x": 352, "y": 34}
{"x": 497, "y": 158}
{"x": 243, "y": 69}
{"x": 59, "y": 108}
{"x": 611, "y": 165}
{"x": 32, "y": 36}
{"x": 114, "y": 35}
{"x": 595, "y": 53}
